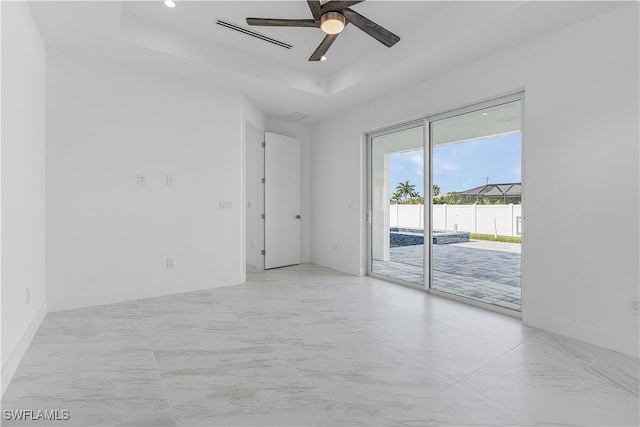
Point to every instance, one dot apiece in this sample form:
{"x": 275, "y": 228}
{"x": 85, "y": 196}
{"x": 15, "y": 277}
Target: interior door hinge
{"x": 263, "y": 180}
{"x": 264, "y": 144}
{"x": 263, "y": 252}
{"x": 262, "y": 216}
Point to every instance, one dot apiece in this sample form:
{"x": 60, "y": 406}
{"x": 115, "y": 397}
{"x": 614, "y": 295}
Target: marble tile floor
{"x": 485, "y": 271}
{"x": 308, "y": 346}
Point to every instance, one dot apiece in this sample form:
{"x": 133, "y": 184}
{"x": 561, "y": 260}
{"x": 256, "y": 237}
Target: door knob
{"x": 298, "y": 217}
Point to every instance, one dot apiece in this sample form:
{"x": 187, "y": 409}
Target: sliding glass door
{"x": 454, "y": 226}
{"x": 396, "y": 214}
{"x": 476, "y": 213}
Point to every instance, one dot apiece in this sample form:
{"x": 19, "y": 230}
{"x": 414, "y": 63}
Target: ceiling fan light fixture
{"x": 332, "y": 22}
{"x": 332, "y": 17}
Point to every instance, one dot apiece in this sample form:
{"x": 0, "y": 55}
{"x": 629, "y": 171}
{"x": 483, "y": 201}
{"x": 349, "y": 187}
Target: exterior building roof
{"x": 513, "y": 189}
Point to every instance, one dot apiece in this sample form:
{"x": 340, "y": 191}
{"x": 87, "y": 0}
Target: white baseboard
{"x": 627, "y": 344}
{"x": 11, "y": 365}
{"x": 334, "y": 266}
{"x": 132, "y": 294}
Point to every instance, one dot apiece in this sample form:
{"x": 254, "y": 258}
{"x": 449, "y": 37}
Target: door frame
{"x": 369, "y": 136}
{"x": 257, "y": 174}
{"x": 517, "y": 96}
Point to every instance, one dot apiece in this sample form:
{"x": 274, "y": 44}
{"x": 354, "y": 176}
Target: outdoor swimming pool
{"x": 410, "y": 237}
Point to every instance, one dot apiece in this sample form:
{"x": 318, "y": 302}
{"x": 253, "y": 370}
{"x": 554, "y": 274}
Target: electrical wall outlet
{"x": 171, "y": 263}
{"x": 635, "y": 306}
{"x": 170, "y": 181}
{"x": 226, "y": 205}
{"x": 140, "y": 179}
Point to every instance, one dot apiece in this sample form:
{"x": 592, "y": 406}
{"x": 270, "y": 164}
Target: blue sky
{"x": 458, "y": 167}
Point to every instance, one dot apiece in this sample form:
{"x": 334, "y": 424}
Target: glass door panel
{"x": 477, "y": 205}
{"x": 397, "y": 208}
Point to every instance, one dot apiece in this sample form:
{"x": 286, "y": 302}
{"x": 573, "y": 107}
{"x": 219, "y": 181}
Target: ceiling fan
{"x": 331, "y": 17}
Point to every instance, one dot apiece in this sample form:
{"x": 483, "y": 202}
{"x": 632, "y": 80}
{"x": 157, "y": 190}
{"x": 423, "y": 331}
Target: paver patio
{"x": 482, "y": 270}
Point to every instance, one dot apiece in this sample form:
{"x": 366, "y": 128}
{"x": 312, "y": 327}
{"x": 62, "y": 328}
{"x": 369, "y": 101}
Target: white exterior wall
{"x": 407, "y": 216}
{"x": 460, "y": 216}
{"x": 580, "y": 138}
{"x": 23, "y": 184}
{"x": 108, "y": 238}
{"x": 439, "y": 215}
{"x": 497, "y": 220}
{"x": 471, "y": 218}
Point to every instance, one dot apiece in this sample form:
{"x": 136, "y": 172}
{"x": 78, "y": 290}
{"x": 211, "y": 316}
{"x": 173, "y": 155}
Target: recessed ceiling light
{"x": 324, "y": 58}
{"x": 484, "y": 114}
{"x": 169, "y": 3}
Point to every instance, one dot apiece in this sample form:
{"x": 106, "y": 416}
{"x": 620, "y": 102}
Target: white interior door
{"x": 282, "y": 219}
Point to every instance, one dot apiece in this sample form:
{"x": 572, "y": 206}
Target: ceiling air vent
{"x": 297, "y": 115}
{"x": 253, "y": 33}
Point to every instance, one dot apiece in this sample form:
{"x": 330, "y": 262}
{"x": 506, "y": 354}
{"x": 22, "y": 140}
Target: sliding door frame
{"x": 425, "y": 122}
{"x": 369, "y": 136}
{"x": 518, "y": 96}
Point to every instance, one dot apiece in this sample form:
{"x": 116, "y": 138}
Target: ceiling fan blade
{"x": 379, "y": 33}
{"x": 338, "y": 6}
{"x": 316, "y": 9}
{"x": 324, "y": 47}
{"x": 267, "y": 22}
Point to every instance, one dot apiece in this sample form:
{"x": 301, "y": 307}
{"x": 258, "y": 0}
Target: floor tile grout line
{"x": 534, "y": 423}
{"x": 501, "y": 355}
{"x": 157, "y": 367}
{"x": 164, "y": 388}
{"x": 457, "y": 382}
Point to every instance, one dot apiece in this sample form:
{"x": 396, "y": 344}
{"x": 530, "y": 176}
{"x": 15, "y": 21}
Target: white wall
{"x": 483, "y": 219}
{"x": 411, "y": 216}
{"x": 302, "y": 131}
{"x": 580, "y": 141}
{"x": 107, "y": 237}
{"x": 23, "y": 183}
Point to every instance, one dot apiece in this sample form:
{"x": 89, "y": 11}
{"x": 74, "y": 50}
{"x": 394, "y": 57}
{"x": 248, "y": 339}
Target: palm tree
{"x": 405, "y": 190}
{"x": 395, "y": 198}
{"x": 436, "y": 189}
